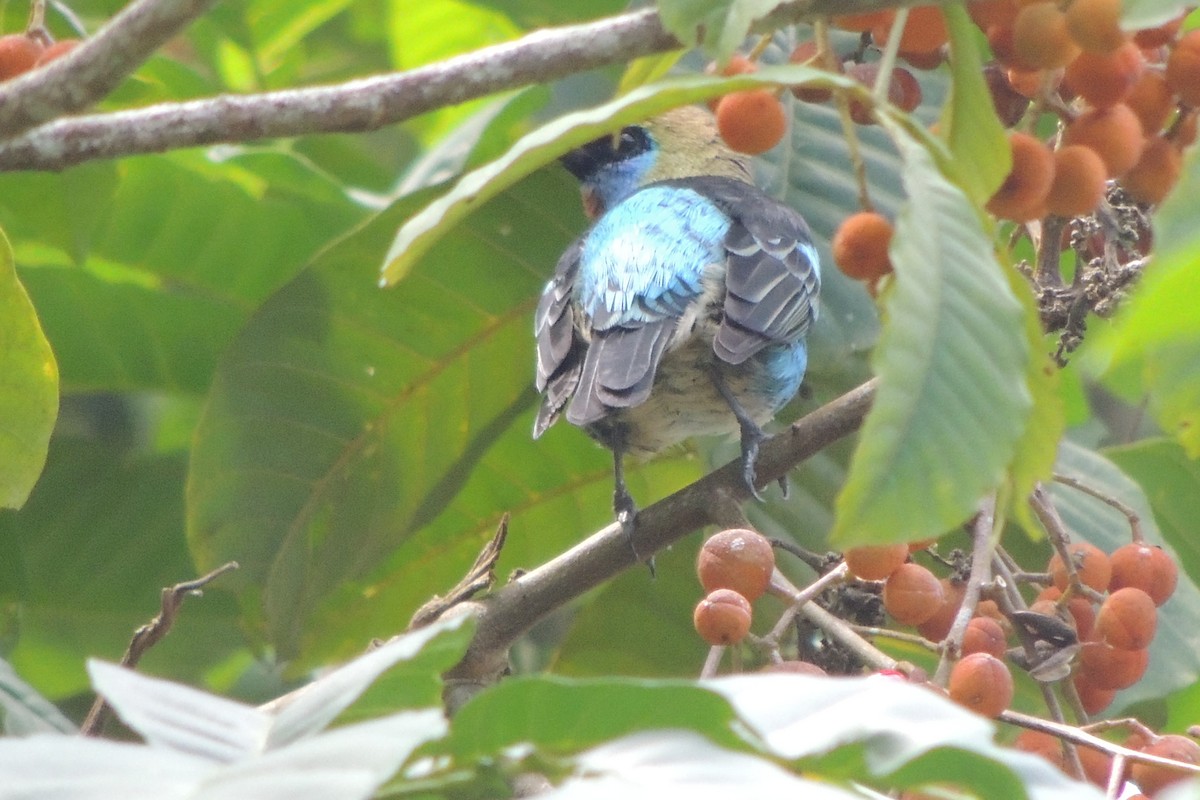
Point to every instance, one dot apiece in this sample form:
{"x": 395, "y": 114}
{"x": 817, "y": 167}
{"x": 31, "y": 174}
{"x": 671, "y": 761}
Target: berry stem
{"x": 883, "y": 80}
{"x": 713, "y": 661}
{"x": 1056, "y": 531}
{"x": 782, "y": 587}
{"x": 821, "y": 31}
{"x": 985, "y": 537}
{"x": 1135, "y": 521}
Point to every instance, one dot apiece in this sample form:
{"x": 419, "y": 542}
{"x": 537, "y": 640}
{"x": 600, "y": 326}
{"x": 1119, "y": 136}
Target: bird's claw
{"x": 750, "y": 440}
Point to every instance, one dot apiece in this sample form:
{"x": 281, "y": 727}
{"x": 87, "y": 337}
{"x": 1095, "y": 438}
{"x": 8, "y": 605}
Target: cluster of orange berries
{"x": 1097, "y": 766}
{"x": 754, "y": 121}
{"x": 1128, "y": 103}
{"x": 734, "y": 567}
{"x": 20, "y": 53}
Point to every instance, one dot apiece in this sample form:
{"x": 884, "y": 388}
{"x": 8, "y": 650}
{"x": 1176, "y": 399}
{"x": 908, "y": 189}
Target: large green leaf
{"x": 344, "y": 420}
{"x": 719, "y": 26}
{"x": 563, "y": 716}
{"x": 1159, "y": 330}
{"x": 952, "y": 398}
{"x": 100, "y": 537}
{"x": 973, "y": 132}
{"x": 28, "y": 388}
{"x": 142, "y": 285}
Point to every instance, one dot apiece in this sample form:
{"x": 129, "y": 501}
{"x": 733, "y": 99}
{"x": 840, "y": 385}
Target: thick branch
{"x": 92, "y": 70}
{"x": 508, "y": 613}
{"x": 356, "y": 106}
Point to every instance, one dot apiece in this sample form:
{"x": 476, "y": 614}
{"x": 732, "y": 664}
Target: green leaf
{"x": 673, "y": 763}
{"x": 879, "y": 730}
{"x": 100, "y": 537}
{"x": 952, "y": 400}
{"x": 1159, "y": 327}
{"x": 718, "y": 26}
{"x": 560, "y": 715}
{"x": 972, "y": 130}
{"x": 1175, "y": 651}
{"x": 553, "y": 140}
{"x": 28, "y": 388}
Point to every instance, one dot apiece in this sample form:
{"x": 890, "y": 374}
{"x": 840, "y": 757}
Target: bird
{"x": 683, "y": 309}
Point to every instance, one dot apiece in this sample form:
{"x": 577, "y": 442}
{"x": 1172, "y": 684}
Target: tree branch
{"x": 511, "y": 611}
{"x": 92, "y": 70}
{"x": 356, "y": 106}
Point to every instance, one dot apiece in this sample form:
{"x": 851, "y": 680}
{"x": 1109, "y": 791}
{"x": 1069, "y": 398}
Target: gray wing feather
{"x": 559, "y": 348}
{"x": 771, "y": 281}
{"x": 618, "y": 370}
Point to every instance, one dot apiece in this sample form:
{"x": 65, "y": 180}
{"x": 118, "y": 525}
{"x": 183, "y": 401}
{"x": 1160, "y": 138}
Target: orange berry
{"x": 1092, "y": 697}
{"x": 1152, "y": 778}
{"x": 860, "y": 250}
{"x": 1091, "y": 564}
{"x": 1040, "y": 37}
{"x": 863, "y": 22}
{"x": 1041, "y": 744}
{"x": 912, "y": 594}
{"x": 1156, "y": 172}
{"x": 18, "y": 53}
{"x": 1109, "y": 668}
{"x": 752, "y": 121}
{"x": 1027, "y": 83}
{"x": 795, "y": 667}
{"x": 982, "y": 683}
{"x": 805, "y": 53}
{"x": 737, "y": 559}
{"x": 723, "y": 617}
{"x": 1000, "y": 40}
{"x": 1162, "y": 35}
{"x": 925, "y": 31}
{"x": 875, "y": 562}
{"x": 1151, "y": 101}
{"x": 1022, "y": 196}
{"x": 931, "y": 60}
{"x": 1114, "y": 133}
{"x": 937, "y": 626}
{"x": 738, "y": 64}
{"x": 1144, "y": 567}
{"x": 56, "y": 51}
{"x": 1127, "y": 619}
{"x": 1103, "y": 79}
{"x": 984, "y": 635}
{"x": 1079, "y": 182}
{"x": 1183, "y": 68}
{"x": 1010, "y": 105}
{"x": 1095, "y": 25}
{"x": 1096, "y": 765}
{"x": 986, "y": 13}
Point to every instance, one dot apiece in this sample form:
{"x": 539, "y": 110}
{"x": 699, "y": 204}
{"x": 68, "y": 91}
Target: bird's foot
{"x": 626, "y": 512}
{"x": 752, "y": 435}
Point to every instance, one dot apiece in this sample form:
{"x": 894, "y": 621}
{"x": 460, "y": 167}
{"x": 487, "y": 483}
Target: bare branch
{"x": 92, "y": 70}
{"x": 151, "y": 634}
{"x": 353, "y": 107}
{"x": 512, "y": 610}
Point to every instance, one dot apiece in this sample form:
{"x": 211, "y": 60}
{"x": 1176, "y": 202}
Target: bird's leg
{"x": 752, "y": 434}
{"x": 624, "y": 507}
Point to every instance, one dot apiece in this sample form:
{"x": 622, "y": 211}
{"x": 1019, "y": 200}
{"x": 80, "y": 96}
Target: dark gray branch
{"x": 511, "y": 611}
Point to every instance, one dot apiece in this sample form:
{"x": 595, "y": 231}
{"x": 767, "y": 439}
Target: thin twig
{"x": 984, "y": 538}
{"x": 713, "y": 661}
{"x": 1060, "y": 539}
{"x": 798, "y": 598}
{"x": 151, "y": 634}
{"x": 1135, "y": 521}
{"x": 1081, "y": 737}
{"x": 840, "y": 631}
{"x": 883, "y": 80}
{"x": 900, "y": 636}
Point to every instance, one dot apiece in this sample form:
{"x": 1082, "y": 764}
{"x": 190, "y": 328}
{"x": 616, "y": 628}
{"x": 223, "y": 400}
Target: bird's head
{"x": 682, "y": 143}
